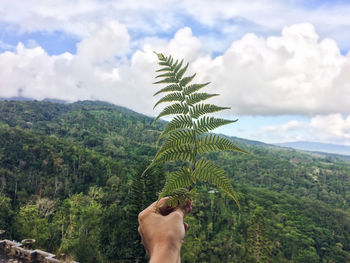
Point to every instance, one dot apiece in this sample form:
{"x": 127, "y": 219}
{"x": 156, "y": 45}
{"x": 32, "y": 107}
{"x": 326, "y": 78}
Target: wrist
{"x": 164, "y": 253}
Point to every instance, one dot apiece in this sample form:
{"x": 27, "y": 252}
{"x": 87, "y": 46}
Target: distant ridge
{"x": 31, "y": 99}
{"x": 16, "y": 99}
{"x": 340, "y": 151}
{"x": 317, "y": 147}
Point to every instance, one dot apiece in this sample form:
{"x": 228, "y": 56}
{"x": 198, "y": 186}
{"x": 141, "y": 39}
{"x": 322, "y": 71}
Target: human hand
{"x": 162, "y": 230}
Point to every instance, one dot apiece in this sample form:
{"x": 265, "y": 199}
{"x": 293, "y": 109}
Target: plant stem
{"x": 195, "y": 147}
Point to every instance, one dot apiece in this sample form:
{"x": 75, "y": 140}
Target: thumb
{"x": 184, "y": 208}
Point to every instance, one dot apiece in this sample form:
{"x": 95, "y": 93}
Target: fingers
{"x": 186, "y": 226}
{"x": 162, "y": 201}
{"x": 158, "y": 207}
{"x": 166, "y": 210}
{"x": 142, "y": 242}
{"x": 186, "y": 207}
{"x": 182, "y": 210}
{"x": 154, "y": 205}
{"x": 151, "y": 208}
{"x": 140, "y": 231}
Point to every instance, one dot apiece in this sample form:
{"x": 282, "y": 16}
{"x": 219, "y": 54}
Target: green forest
{"x": 71, "y": 178}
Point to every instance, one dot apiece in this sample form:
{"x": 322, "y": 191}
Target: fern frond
{"x": 174, "y": 154}
{"x": 170, "y": 60}
{"x": 201, "y": 109}
{"x": 178, "y": 197}
{"x": 184, "y": 136}
{"x": 184, "y": 81}
{"x": 164, "y": 69}
{"x": 213, "y": 142}
{"x": 168, "y": 74}
{"x": 176, "y": 96}
{"x": 176, "y": 108}
{"x": 198, "y": 97}
{"x": 179, "y": 122}
{"x": 177, "y": 67}
{"x": 169, "y": 88}
{"x": 175, "y": 181}
{"x": 206, "y": 124}
{"x": 206, "y": 171}
{"x": 182, "y": 152}
{"x": 159, "y": 55}
{"x": 194, "y": 87}
{"x": 177, "y": 138}
{"x": 163, "y": 63}
{"x": 167, "y": 80}
{"x": 173, "y": 66}
{"x": 181, "y": 72}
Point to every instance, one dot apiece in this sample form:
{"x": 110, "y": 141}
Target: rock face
{"x": 11, "y": 251}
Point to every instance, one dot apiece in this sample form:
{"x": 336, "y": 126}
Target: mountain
{"x": 317, "y": 147}
{"x": 30, "y": 99}
{"x": 70, "y": 177}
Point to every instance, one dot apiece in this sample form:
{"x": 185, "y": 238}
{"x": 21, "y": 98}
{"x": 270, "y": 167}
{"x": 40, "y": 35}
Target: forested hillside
{"x": 70, "y": 177}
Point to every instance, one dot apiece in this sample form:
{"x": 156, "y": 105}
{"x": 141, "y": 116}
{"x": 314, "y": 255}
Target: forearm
{"x": 165, "y": 255}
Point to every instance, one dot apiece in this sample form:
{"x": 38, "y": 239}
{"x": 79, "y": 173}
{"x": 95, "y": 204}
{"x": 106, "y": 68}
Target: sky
{"x": 281, "y": 66}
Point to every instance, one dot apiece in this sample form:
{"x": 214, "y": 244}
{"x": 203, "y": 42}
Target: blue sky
{"x": 280, "y": 65}
{"x": 54, "y": 43}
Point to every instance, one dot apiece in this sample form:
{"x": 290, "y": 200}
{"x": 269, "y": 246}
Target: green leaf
{"x": 194, "y": 87}
{"x": 198, "y": 97}
{"x": 182, "y": 153}
{"x": 167, "y": 80}
{"x": 160, "y": 55}
{"x": 172, "y": 87}
{"x": 170, "y": 60}
{"x": 178, "y": 197}
{"x": 167, "y": 75}
{"x": 179, "y": 122}
{"x": 206, "y": 123}
{"x": 174, "y": 65}
{"x": 183, "y": 82}
{"x": 186, "y": 136}
{"x": 176, "y": 108}
{"x": 176, "y": 96}
{"x": 164, "y": 69}
{"x": 213, "y": 142}
{"x": 208, "y": 172}
{"x": 177, "y": 67}
{"x": 201, "y": 109}
{"x": 177, "y": 138}
{"x": 182, "y": 71}
{"x": 175, "y": 181}
{"x": 163, "y": 63}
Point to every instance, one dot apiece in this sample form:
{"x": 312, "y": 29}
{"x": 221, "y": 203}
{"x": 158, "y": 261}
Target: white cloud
{"x": 332, "y": 128}
{"x": 295, "y": 73}
{"x": 104, "y": 43}
{"x": 41, "y": 15}
{"x": 100, "y": 69}
{"x": 136, "y": 78}
{"x": 31, "y": 72}
{"x": 72, "y": 16}
{"x": 155, "y": 16}
{"x": 268, "y": 16}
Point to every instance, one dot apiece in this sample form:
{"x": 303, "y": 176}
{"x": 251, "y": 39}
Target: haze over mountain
{"x": 317, "y": 147}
